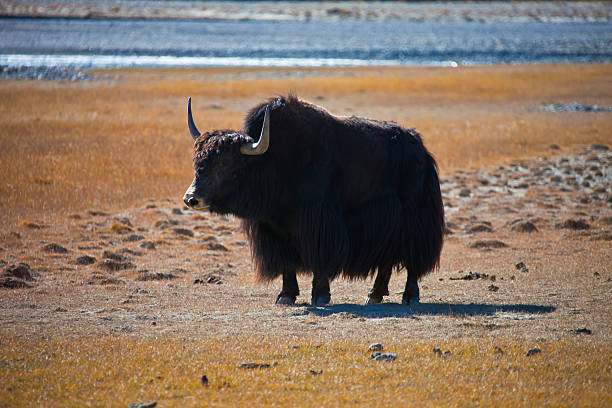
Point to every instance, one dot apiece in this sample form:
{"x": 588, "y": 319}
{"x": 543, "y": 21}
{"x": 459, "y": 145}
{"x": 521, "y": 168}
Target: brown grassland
{"x": 101, "y": 165}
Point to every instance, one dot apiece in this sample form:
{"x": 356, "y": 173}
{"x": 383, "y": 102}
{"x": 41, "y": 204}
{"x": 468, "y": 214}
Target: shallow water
{"x": 122, "y": 42}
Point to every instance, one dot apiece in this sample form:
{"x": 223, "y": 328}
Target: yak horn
{"x": 254, "y": 149}
{"x": 192, "y": 127}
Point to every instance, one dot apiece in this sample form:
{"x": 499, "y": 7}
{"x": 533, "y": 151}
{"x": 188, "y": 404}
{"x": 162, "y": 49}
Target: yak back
{"x": 345, "y": 161}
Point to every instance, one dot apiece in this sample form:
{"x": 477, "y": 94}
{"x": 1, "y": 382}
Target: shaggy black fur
{"x": 332, "y": 195}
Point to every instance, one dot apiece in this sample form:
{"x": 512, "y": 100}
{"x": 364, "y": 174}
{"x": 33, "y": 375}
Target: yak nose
{"x": 191, "y": 201}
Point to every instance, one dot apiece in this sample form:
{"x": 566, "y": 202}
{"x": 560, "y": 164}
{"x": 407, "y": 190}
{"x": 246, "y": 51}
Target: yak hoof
{"x": 285, "y": 301}
{"x": 373, "y": 300}
{"x": 410, "y": 302}
{"x": 321, "y": 301}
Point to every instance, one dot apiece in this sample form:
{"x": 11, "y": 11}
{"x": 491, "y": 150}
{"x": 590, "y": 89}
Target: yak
{"x": 323, "y": 194}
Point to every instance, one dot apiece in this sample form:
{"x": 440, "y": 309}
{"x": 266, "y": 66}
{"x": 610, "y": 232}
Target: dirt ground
{"x": 187, "y": 272}
{"x": 526, "y": 261}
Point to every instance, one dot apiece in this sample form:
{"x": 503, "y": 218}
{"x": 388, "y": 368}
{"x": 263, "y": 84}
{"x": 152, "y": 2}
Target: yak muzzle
{"x": 192, "y": 200}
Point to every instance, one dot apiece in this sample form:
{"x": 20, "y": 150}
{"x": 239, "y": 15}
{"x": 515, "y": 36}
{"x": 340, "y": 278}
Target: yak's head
{"x": 220, "y": 162}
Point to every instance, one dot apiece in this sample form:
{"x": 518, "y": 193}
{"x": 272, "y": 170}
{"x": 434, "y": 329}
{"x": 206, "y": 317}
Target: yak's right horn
{"x": 254, "y": 149}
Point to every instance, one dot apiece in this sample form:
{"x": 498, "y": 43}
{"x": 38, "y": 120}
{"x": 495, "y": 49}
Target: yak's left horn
{"x": 254, "y": 149}
{"x": 192, "y": 127}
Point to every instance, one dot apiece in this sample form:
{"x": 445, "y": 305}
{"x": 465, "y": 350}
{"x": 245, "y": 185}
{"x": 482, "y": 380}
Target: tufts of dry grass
{"x": 65, "y": 147}
{"x": 116, "y": 372}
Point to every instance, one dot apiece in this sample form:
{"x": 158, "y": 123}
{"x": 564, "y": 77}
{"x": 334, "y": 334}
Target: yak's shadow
{"x": 433, "y": 309}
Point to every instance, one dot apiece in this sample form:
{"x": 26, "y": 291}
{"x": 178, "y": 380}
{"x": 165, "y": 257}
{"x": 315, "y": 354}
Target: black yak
{"x": 323, "y": 194}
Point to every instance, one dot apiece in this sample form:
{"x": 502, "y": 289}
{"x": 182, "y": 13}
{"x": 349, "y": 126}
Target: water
{"x": 85, "y": 43}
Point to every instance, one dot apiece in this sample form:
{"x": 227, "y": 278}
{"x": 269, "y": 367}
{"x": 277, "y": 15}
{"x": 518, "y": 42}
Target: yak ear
{"x": 195, "y": 133}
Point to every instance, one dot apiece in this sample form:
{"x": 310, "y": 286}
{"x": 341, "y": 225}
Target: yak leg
{"x": 290, "y": 289}
{"x": 411, "y": 293}
{"x": 320, "y": 290}
{"x": 381, "y": 286}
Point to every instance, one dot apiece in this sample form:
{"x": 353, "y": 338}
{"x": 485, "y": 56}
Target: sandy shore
{"x": 117, "y": 268}
{"x": 486, "y": 12}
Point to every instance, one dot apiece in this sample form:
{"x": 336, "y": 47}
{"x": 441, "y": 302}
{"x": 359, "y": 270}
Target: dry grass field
{"x": 116, "y": 142}
{"x": 97, "y": 169}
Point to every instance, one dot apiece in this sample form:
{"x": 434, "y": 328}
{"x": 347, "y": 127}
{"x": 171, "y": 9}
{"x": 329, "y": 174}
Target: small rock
{"x": 151, "y": 404}
{"x": 112, "y": 265}
{"x": 124, "y": 220}
{"x": 144, "y": 276}
{"x": 177, "y": 211}
{"x": 10, "y": 282}
{"x": 378, "y": 356}
{"x": 465, "y": 192}
{"x": 208, "y": 278}
{"x": 134, "y": 238}
{"x": 493, "y": 288}
{"x": 54, "y": 248}
{"x": 120, "y": 228}
{"x": 32, "y": 225}
{"x": 488, "y": 244}
{"x": 100, "y": 279}
{"x": 583, "y": 330}
{"x": 534, "y": 351}
{"x": 451, "y": 224}
{"x": 250, "y": 366}
{"x": 573, "y": 225}
{"x": 147, "y": 245}
{"x": 183, "y": 231}
{"x": 163, "y": 224}
{"x": 85, "y": 260}
{"x": 316, "y": 372}
{"x": 204, "y": 380}
{"x": 129, "y": 251}
{"x": 521, "y": 267}
{"x": 439, "y": 352}
{"x": 97, "y": 213}
{"x": 478, "y": 227}
{"x": 599, "y": 147}
{"x": 19, "y": 270}
{"x": 473, "y": 276}
{"x": 375, "y": 347}
{"x": 526, "y": 226}
{"x": 114, "y": 256}
{"x": 216, "y": 247}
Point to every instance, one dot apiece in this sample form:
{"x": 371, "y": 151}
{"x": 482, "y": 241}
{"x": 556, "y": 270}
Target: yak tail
{"x": 426, "y": 236}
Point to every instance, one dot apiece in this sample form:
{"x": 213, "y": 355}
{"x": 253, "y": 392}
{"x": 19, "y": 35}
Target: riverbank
{"x": 482, "y": 12}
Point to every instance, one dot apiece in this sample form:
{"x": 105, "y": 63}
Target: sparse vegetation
{"x": 113, "y": 371}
